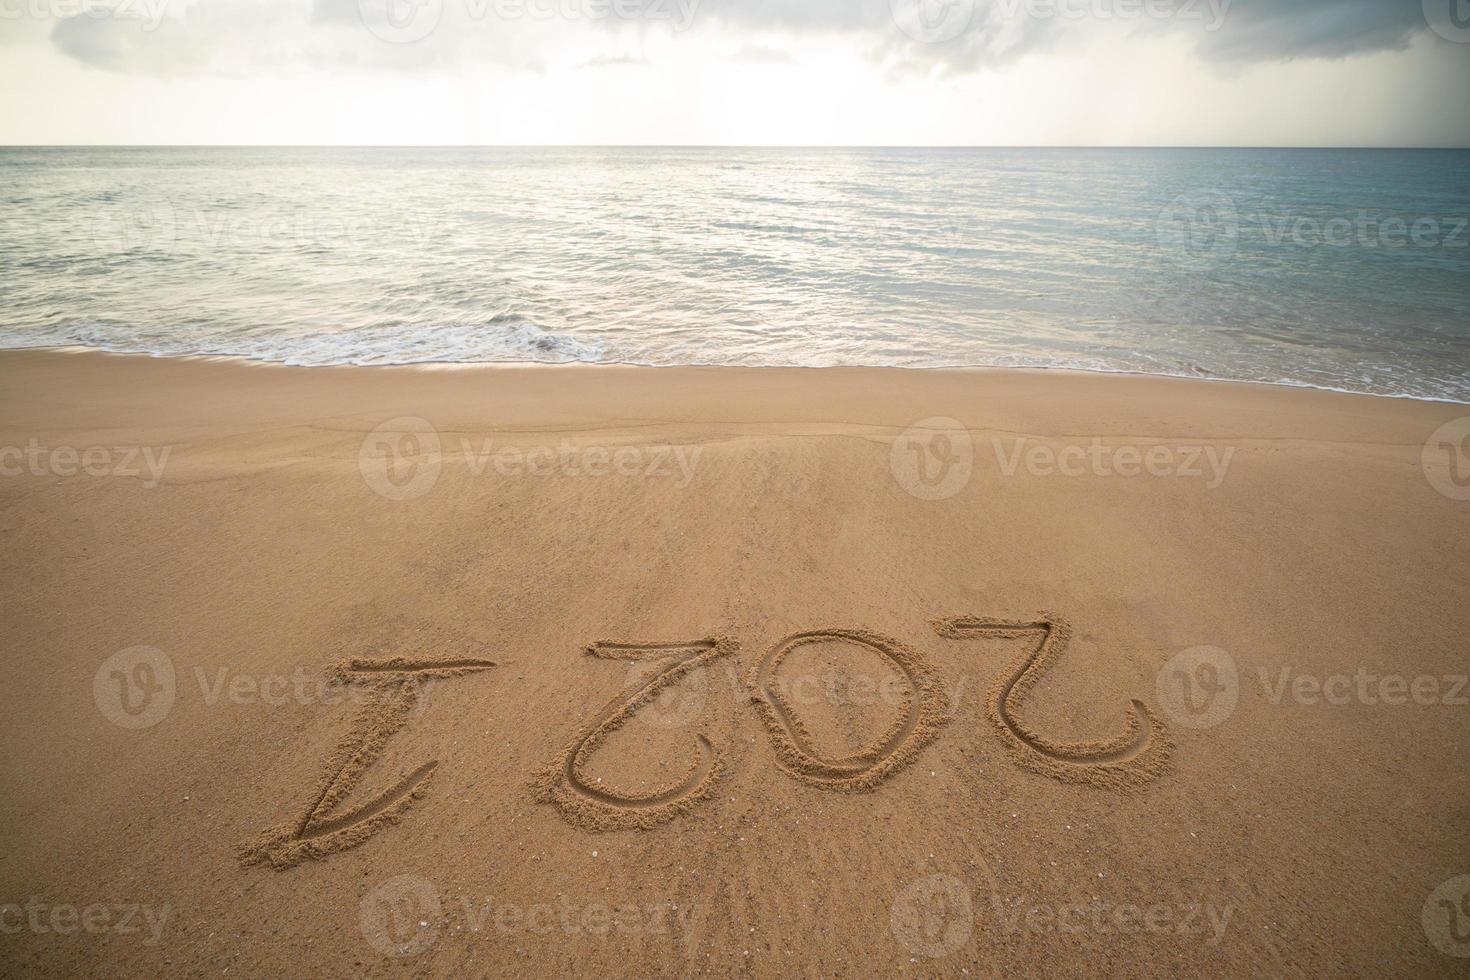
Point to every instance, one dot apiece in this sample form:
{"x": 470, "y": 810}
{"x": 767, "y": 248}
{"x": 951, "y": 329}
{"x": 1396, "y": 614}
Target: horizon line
{"x": 721, "y": 146}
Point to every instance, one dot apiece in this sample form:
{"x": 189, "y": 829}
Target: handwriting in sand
{"x": 1138, "y": 754}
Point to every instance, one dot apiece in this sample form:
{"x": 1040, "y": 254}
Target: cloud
{"x": 138, "y": 40}
{"x": 998, "y": 31}
{"x": 241, "y": 37}
{"x": 154, "y": 37}
{"x": 954, "y": 36}
{"x": 1274, "y": 30}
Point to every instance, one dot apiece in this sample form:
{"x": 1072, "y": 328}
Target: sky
{"x": 736, "y": 72}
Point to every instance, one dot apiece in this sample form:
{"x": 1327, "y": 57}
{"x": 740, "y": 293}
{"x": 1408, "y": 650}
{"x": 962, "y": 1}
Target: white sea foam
{"x": 402, "y": 343}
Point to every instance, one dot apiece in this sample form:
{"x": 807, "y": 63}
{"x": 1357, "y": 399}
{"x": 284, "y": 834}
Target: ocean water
{"x": 1345, "y": 269}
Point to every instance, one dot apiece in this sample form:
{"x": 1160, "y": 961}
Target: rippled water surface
{"x": 1335, "y": 268}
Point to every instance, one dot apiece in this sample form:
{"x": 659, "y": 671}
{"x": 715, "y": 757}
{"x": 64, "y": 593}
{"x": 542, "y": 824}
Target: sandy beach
{"x": 530, "y": 671}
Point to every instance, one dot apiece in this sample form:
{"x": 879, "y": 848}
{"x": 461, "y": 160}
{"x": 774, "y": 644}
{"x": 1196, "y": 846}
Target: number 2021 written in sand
{"x": 326, "y": 825}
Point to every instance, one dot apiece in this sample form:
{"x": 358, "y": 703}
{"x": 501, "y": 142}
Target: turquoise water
{"x": 1333, "y": 268}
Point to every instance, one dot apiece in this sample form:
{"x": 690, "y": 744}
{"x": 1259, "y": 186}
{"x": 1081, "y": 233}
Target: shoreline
{"x": 975, "y": 368}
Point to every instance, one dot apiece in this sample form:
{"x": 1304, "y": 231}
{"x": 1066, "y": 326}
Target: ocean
{"x": 1341, "y": 269}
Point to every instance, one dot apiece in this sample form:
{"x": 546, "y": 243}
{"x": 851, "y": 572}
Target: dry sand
{"x": 754, "y": 697}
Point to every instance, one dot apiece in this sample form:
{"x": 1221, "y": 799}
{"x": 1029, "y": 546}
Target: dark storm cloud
{"x": 1258, "y": 30}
